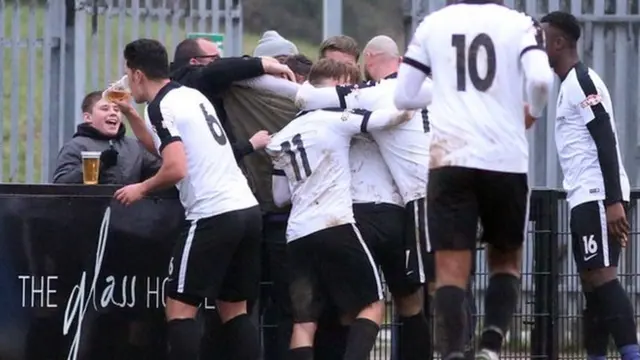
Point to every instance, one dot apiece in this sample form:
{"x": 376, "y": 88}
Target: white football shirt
{"x": 581, "y": 91}
{"x": 473, "y": 52}
{"x": 214, "y": 183}
{"x": 405, "y": 148}
{"x": 312, "y": 151}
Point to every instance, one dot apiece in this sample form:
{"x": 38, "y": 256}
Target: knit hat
{"x": 272, "y": 44}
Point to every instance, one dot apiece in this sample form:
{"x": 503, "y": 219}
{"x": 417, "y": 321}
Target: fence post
{"x": 544, "y": 214}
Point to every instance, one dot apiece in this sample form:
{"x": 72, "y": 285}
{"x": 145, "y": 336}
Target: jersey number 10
{"x": 467, "y": 61}
{"x": 286, "y": 148}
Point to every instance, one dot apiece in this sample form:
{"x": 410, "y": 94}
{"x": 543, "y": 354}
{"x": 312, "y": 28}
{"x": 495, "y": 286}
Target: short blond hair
{"x": 325, "y": 69}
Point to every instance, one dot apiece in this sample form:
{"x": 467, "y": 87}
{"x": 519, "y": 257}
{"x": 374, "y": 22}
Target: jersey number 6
{"x": 214, "y": 126}
{"x": 286, "y": 148}
{"x": 469, "y": 63}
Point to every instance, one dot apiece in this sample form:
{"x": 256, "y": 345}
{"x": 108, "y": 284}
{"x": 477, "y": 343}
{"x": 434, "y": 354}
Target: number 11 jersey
{"x": 312, "y": 151}
{"x": 473, "y": 52}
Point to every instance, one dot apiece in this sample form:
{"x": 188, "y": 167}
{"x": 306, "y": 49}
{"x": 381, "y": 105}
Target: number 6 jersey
{"x": 312, "y": 151}
{"x": 214, "y": 183}
{"x": 478, "y": 55}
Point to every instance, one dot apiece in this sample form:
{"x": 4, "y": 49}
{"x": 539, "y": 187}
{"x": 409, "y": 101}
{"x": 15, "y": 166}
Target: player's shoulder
{"x": 583, "y": 80}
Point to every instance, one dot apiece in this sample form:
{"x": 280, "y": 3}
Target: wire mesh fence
{"x": 547, "y": 324}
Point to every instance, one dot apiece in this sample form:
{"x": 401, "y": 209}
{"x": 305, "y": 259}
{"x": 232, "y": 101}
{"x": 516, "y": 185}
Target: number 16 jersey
{"x": 473, "y": 52}
{"x": 312, "y": 151}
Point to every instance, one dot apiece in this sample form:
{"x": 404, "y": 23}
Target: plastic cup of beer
{"x": 90, "y": 167}
{"x": 118, "y": 91}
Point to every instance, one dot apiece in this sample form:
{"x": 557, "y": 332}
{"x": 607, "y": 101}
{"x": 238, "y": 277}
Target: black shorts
{"x": 593, "y": 248}
{"x": 458, "y": 196}
{"x": 331, "y": 266}
{"x": 217, "y": 257}
{"x": 383, "y": 229}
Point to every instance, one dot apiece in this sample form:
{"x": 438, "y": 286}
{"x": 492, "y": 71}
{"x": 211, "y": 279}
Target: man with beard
{"x": 123, "y": 160}
{"x": 197, "y": 64}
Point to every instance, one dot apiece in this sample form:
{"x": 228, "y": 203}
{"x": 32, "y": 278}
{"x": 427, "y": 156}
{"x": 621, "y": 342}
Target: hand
{"x": 260, "y": 140}
{"x": 126, "y": 107}
{"x": 273, "y": 67}
{"x": 129, "y": 194}
{"x": 617, "y": 222}
{"x": 109, "y": 158}
{"x": 528, "y": 118}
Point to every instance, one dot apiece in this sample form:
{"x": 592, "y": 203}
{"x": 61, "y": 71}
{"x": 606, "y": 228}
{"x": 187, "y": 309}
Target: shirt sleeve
{"x": 354, "y": 121}
{"x": 533, "y": 38}
{"x": 417, "y": 55}
{"x": 343, "y": 96}
{"x": 272, "y": 84}
{"x": 586, "y": 99}
{"x": 163, "y": 122}
{"x": 415, "y": 68}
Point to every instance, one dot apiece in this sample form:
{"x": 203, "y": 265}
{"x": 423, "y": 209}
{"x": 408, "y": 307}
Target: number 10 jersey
{"x": 473, "y": 52}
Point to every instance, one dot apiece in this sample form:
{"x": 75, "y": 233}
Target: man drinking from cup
{"x": 99, "y": 152}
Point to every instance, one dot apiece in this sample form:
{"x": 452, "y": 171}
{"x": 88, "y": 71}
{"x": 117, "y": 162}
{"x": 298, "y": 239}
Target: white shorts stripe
{"x": 526, "y": 215}
{"x": 371, "y": 261}
{"x": 419, "y": 227}
{"x": 184, "y": 262}
{"x": 604, "y": 234}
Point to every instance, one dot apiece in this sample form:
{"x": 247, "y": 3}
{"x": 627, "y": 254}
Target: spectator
{"x": 341, "y": 48}
{"x": 273, "y": 45}
{"x": 197, "y": 64}
{"x": 123, "y": 160}
{"x": 300, "y": 65}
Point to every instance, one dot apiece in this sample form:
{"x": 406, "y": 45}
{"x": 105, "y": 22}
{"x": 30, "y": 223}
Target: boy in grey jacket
{"x": 123, "y": 160}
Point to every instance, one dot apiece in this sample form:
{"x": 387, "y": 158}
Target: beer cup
{"x": 90, "y": 167}
{"x": 118, "y": 91}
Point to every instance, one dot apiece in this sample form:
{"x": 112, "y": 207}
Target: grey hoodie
{"x": 134, "y": 163}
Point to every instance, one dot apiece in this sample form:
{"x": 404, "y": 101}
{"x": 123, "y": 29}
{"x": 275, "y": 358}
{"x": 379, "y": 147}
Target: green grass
{"x": 23, "y": 77}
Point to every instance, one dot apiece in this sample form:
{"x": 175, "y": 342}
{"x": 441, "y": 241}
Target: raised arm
{"x": 358, "y": 96}
{"x": 354, "y": 121}
{"x": 272, "y": 84}
{"x": 414, "y": 70}
{"x": 535, "y": 64}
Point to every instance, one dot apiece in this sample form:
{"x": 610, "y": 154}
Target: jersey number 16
{"x": 467, "y": 61}
{"x": 286, "y": 148}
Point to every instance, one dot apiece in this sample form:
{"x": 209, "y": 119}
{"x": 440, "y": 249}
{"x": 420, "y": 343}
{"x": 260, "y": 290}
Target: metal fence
{"x": 54, "y": 51}
{"x": 547, "y": 323}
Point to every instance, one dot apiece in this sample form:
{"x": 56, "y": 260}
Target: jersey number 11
{"x": 469, "y": 63}
{"x": 286, "y": 148}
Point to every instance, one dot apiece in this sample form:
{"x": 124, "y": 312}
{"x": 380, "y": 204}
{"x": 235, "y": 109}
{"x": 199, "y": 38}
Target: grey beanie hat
{"x": 272, "y": 44}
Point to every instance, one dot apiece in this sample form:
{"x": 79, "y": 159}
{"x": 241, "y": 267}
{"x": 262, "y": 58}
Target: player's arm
{"x": 535, "y": 64}
{"x": 280, "y": 188}
{"x": 586, "y": 99}
{"x": 343, "y": 96}
{"x": 414, "y": 70}
{"x": 174, "y": 158}
{"x": 138, "y": 127}
{"x": 354, "y": 121}
{"x": 272, "y": 84}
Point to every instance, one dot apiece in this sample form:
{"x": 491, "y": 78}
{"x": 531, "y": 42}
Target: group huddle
{"x": 394, "y": 173}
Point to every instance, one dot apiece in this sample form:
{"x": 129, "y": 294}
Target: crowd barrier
{"x": 81, "y": 277}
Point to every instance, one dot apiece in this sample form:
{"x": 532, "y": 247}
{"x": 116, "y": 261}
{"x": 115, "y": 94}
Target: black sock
{"x": 616, "y": 311}
{"x": 451, "y": 321}
{"x": 361, "y": 339}
{"x": 500, "y": 304}
{"x": 470, "y": 312}
{"x": 183, "y": 336}
{"x": 415, "y": 338}
{"x": 595, "y": 334}
{"x": 301, "y": 353}
{"x": 243, "y": 340}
